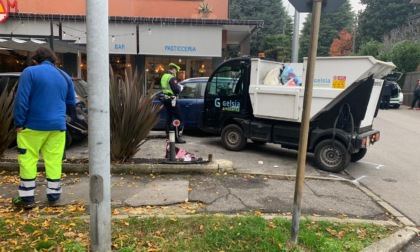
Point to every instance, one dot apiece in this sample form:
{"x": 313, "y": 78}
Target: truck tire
{"x": 358, "y": 155}
{"x": 233, "y": 138}
{"x": 331, "y": 156}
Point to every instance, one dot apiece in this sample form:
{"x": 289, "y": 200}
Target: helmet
{"x": 172, "y": 65}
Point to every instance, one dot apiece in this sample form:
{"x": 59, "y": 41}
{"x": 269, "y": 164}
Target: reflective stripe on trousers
{"x": 27, "y": 190}
{"x": 53, "y": 189}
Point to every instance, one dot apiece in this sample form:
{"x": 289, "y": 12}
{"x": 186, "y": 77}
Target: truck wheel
{"x": 358, "y": 155}
{"x": 233, "y": 138}
{"x": 331, "y": 157}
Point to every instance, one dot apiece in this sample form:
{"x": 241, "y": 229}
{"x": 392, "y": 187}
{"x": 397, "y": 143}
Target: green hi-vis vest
{"x": 164, "y": 82}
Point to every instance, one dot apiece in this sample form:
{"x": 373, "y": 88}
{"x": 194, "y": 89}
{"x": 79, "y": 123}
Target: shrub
{"x": 7, "y": 129}
{"x": 132, "y": 116}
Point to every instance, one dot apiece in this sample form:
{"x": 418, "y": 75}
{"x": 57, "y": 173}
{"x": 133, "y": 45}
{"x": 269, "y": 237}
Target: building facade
{"x": 144, "y": 35}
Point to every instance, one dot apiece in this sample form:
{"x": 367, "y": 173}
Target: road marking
{"x": 349, "y": 180}
{"x": 378, "y": 166}
{"x": 356, "y": 180}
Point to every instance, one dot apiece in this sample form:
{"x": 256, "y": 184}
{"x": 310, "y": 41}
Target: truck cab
{"x": 224, "y": 96}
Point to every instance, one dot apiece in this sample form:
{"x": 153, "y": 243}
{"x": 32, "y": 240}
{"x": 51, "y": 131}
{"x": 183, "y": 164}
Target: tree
{"x": 406, "y": 55}
{"x": 372, "y": 48}
{"x": 409, "y": 31}
{"x": 273, "y": 13}
{"x": 381, "y": 16}
{"x": 278, "y": 47}
{"x": 342, "y": 45}
{"x": 330, "y": 26}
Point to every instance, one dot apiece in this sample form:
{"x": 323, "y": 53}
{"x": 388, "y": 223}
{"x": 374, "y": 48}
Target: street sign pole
{"x": 99, "y": 126}
{"x": 316, "y": 8}
{"x": 303, "y": 137}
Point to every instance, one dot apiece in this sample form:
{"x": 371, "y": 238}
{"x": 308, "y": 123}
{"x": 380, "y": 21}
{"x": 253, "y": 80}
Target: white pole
{"x": 99, "y": 128}
{"x": 295, "y": 44}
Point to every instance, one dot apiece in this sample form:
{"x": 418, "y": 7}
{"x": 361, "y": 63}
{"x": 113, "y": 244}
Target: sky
{"x": 354, "y": 3}
{"x": 356, "y": 6}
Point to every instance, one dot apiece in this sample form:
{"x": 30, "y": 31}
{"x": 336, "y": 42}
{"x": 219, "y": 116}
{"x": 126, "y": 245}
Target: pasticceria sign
{"x": 5, "y": 9}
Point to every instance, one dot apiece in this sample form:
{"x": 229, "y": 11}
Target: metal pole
{"x": 172, "y": 153}
{"x": 99, "y": 128}
{"x": 303, "y": 137}
{"x": 79, "y": 63}
{"x": 353, "y": 47}
{"x": 295, "y": 44}
{"x": 52, "y": 36}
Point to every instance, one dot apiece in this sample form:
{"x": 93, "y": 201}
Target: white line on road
{"x": 352, "y": 181}
{"x": 378, "y": 166}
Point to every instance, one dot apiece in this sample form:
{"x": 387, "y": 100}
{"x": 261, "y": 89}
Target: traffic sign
{"x": 176, "y": 123}
{"x": 306, "y": 5}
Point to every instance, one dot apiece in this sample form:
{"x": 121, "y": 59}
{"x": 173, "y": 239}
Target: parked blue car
{"x": 190, "y": 100}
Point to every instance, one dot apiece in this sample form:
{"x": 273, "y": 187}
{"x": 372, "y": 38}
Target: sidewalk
{"x": 216, "y": 188}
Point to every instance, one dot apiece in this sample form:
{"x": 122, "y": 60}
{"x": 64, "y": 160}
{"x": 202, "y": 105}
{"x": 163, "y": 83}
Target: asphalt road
{"x": 391, "y": 168}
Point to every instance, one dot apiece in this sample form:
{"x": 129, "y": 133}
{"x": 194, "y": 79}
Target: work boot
{"x": 19, "y": 202}
{"x": 54, "y": 203}
{"x": 179, "y": 140}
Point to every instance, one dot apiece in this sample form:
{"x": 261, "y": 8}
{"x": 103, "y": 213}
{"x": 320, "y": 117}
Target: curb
{"x": 394, "y": 242}
{"x": 215, "y": 166}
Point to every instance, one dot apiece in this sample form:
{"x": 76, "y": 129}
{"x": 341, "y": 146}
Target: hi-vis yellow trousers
{"x": 51, "y": 145}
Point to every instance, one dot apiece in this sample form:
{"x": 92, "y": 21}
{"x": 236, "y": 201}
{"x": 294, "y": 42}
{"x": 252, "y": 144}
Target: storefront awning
{"x": 72, "y": 28}
{"x": 31, "y": 44}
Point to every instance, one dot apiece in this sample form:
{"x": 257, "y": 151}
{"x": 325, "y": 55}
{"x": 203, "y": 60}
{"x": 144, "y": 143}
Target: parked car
{"x": 77, "y": 126}
{"x": 397, "y": 96}
{"x": 190, "y": 101}
{"x": 397, "y": 99}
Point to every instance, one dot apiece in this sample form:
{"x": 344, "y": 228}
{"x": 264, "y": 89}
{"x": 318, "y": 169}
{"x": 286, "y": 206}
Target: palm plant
{"x": 132, "y": 116}
{"x": 204, "y": 8}
{"x": 7, "y": 129}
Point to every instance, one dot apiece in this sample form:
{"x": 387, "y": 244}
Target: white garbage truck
{"x": 247, "y": 98}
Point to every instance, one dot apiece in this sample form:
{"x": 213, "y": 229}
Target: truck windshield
{"x": 227, "y": 81}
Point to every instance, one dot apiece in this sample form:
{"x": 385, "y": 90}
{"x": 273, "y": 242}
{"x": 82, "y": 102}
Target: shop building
{"x": 144, "y": 35}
